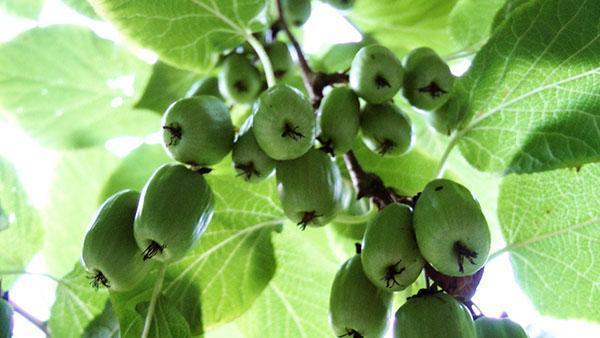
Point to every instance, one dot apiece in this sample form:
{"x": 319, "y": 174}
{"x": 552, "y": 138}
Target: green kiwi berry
{"x": 110, "y": 254}
{"x": 390, "y": 255}
{"x": 206, "y": 86}
{"x": 386, "y": 129}
{"x": 451, "y": 230}
{"x": 452, "y": 115}
{"x": 296, "y": 12}
{"x": 498, "y": 328}
{"x": 284, "y": 123}
{"x": 310, "y": 188}
{"x": 339, "y": 120}
{"x": 198, "y": 130}
{"x": 428, "y": 80}
{"x": 433, "y": 316}
{"x": 357, "y": 308}
{"x": 341, "y": 4}
{"x": 239, "y": 80}
{"x": 175, "y": 208}
{"x": 280, "y": 57}
{"x": 376, "y": 74}
{"x": 249, "y": 160}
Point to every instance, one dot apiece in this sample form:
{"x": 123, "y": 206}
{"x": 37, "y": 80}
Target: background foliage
{"x": 529, "y": 155}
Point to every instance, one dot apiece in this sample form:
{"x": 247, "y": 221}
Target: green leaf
{"x": 135, "y": 169}
{"x": 233, "y": 262}
{"x": 506, "y": 11}
{"x": 296, "y": 301}
{"x": 186, "y": 33}
{"x": 76, "y": 186}
{"x": 77, "y": 304}
{"x": 132, "y": 307}
{"x": 21, "y": 232}
{"x": 230, "y": 266}
{"x": 105, "y": 325}
{"x": 551, "y": 223}
{"x": 70, "y": 88}
{"x": 534, "y": 91}
{"x": 337, "y": 58}
{"x": 166, "y": 85}
{"x": 25, "y": 8}
{"x": 83, "y": 7}
{"x": 402, "y": 25}
{"x": 471, "y": 21}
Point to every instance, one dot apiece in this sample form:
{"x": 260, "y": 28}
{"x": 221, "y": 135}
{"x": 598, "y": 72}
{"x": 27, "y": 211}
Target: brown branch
{"x": 38, "y": 323}
{"x": 366, "y": 184}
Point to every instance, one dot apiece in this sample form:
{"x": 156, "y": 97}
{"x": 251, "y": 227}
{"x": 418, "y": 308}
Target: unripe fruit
{"x": 450, "y": 228}
{"x": 284, "y": 123}
{"x": 498, "y": 328}
{"x": 386, "y": 129}
{"x": 239, "y": 80}
{"x": 390, "y": 256}
{"x": 376, "y": 74}
{"x": 280, "y": 57}
{"x": 296, "y": 12}
{"x": 249, "y": 160}
{"x": 310, "y": 188}
{"x": 6, "y": 319}
{"x": 110, "y": 253}
{"x": 340, "y": 4}
{"x": 357, "y": 308}
{"x": 175, "y": 207}
{"x": 339, "y": 120}
{"x": 206, "y": 86}
{"x": 428, "y": 80}
{"x": 433, "y": 316}
{"x": 198, "y": 130}
{"x": 452, "y": 115}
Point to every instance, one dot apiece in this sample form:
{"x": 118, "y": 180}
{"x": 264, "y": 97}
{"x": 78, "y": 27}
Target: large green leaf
{"x": 83, "y": 7}
{"x": 131, "y": 308}
{"x": 551, "y": 222}
{"x": 534, "y": 90}
{"x": 105, "y": 325}
{"x": 406, "y": 24}
{"x": 74, "y": 193}
{"x": 471, "y": 22}
{"x": 77, "y": 304}
{"x": 230, "y": 266}
{"x": 20, "y": 230}
{"x": 186, "y": 33}
{"x": 70, "y": 88}
{"x": 510, "y": 6}
{"x": 25, "y": 8}
{"x": 166, "y": 85}
{"x": 296, "y": 302}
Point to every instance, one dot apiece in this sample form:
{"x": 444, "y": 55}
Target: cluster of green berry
{"x": 447, "y": 230}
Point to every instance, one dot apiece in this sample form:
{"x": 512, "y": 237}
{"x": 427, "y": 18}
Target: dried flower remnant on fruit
{"x": 291, "y": 132}
{"x": 153, "y": 249}
{"x": 390, "y": 274}
{"x": 351, "y": 333}
{"x": 175, "y": 133}
{"x": 307, "y": 218}
{"x": 98, "y": 279}
{"x": 463, "y": 252}
{"x": 433, "y": 89}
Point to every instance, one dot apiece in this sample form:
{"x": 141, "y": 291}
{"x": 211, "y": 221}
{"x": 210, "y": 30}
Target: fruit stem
{"x": 442, "y": 164}
{"x": 154, "y": 299}
{"x": 263, "y": 57}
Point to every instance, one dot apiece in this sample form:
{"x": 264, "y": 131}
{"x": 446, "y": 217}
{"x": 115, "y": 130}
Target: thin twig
{"x": 32, "y": 319}
{"x": 154, "y": 299}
